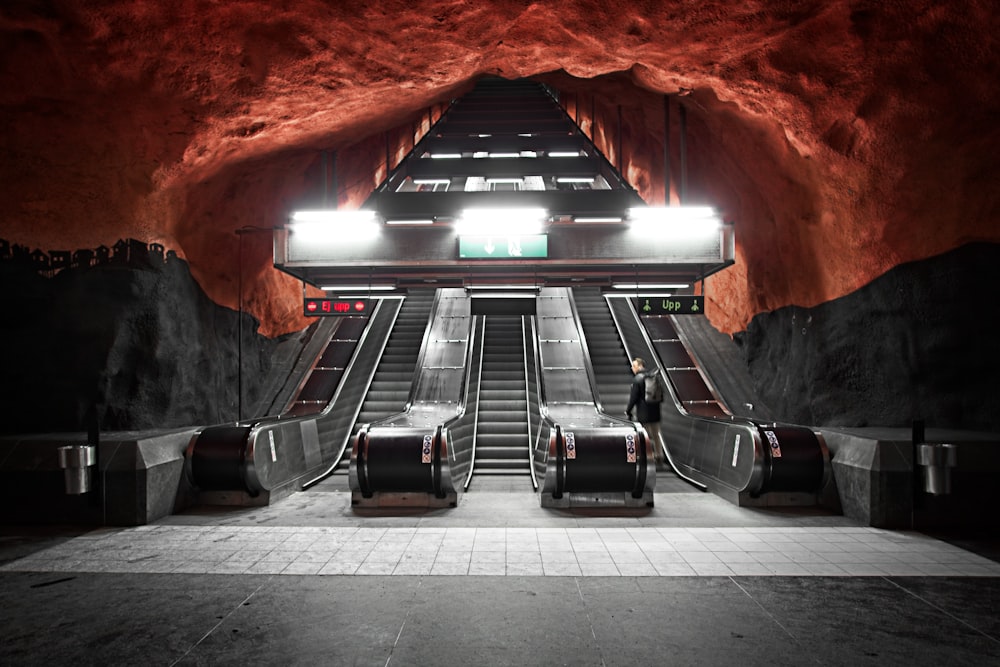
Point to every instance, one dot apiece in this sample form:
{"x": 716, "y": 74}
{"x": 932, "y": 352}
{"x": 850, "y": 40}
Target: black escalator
{"x": 607, "y": 354}
{"x": 323, "y": 378}
{"x": 390, "y": 387}
{"x": 692, "y": 391}
{"x": 502, "y": 429}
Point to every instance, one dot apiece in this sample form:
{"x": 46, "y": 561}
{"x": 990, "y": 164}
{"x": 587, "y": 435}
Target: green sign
{"x": 670, "y": 305}
{"x": 503, "y": 247}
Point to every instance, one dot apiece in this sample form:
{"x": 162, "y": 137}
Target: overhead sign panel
{"x": 670, "y": 305}
{"x": 320, "y": 306}
{"x": 503, "y": 247}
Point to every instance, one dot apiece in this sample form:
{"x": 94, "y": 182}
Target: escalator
{"x": 745, "y": 461}
{"x": 501, "y": 441}
{"x": 394, "y": 375}
{"x": 607, "y": 354}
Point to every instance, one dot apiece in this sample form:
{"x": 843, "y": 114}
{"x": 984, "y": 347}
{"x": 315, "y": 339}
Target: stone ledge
{"x": 139, "y": 479}
{"x": 873, "y": 471}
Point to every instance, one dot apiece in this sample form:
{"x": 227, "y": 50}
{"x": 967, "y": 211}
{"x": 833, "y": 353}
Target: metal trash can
{"x": 937, "y": 460}
{"x": 76, "y": 462}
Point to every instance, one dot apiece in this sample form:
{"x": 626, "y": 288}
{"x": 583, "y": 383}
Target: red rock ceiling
{"x": 841, "y": 138}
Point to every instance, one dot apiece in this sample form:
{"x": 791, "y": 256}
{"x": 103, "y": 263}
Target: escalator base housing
{"x": 381, "y": 499}
{"x": 601, "y": 499}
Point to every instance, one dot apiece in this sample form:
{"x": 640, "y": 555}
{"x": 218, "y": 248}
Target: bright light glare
{"x": 331, "y": 225}
{"x": 357, "y": 288}
{"x": 563, "y": 154}
{"x": 431, "y": 181}
{"x": 505, "y": 155}
{"x": 501, "y": 221}
{"x": 642, "y": 286}
{"x": 409, "y": 222}
{"x": 675, "y": 221}
{"x": 575, "y": 179}
{"x": 446, "y": 156}
{"x": 607, "y": 219}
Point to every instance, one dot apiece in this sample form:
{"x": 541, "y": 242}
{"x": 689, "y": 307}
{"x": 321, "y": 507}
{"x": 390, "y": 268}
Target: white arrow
{"x": 488, "y": 246}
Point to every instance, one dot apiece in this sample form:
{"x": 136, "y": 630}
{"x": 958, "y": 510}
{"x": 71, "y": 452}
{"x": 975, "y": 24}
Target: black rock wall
{"x": 916, "y": 343}
{"x": 140, "y": 344}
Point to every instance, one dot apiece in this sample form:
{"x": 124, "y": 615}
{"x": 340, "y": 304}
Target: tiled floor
{"x": 508, "y": 534}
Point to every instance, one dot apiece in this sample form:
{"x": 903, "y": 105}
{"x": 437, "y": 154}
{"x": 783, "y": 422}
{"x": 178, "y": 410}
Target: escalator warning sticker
{"x": 570, "y": 445}
{"x": 630, "y": 448}
{"x": 425, "y": 451}
{"x": 736, "y": 449}
{"x": 772, "y": 440}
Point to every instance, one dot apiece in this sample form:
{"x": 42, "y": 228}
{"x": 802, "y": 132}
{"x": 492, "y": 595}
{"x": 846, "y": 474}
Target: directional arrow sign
{"x": 503, "y": 247}
{"x": 670, "y": 305}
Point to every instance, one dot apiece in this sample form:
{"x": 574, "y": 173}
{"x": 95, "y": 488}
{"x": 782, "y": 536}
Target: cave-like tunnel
{"x": 151, "y": 154}
{"x": 841, "y": 140}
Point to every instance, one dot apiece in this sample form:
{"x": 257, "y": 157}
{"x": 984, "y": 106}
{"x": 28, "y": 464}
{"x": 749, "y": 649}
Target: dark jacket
{"x": 644, "y": 413}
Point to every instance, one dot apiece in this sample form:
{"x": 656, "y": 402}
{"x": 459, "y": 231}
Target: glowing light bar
{"x": 564, "y": 154}
{"x": 431, "y": 181}
{"x": 575, "y": 179}
{"x": 501, "y": 221}
{"x": 505, "y": 155}
{"x": 358, "y": 288}
{"x": 607, "y": 219}
{"x": 675, "y": 221}
{"x": 642, "y": 286}
{"x": 332, "y": 225}
{"x": 409, "y": 222}
{"x": 446, "y": 156}
{"x": 503, "y": 180}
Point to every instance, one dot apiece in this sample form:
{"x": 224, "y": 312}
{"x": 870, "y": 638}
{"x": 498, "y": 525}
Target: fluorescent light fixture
{"x": 333, "y": 215}
{"x": 409, "y": 222}
{"x": 575, "y": 179}
{"x": 607, "y": 219}
{"x": 431, "y": 181}
{"x": 332, "y": 225}
{"x": 501, "y": 221}
{"x": 641, "y": 286}
{"x": 373, "y": 296}
{"x": 636, "y": 295}
{"x": 358, "y": 288}
{"x": 673, "y": 213}
{"x": 503, "y": 180}
{"x": 505, "y": 155}
{"x": 480, "y": 154}
{"x": 563, "y": 154}
{"x": 675, "y": 221}
{"x": 483, "y": 136}
{"x": 529, "y": 153}
{"x": 446, "y": 156}
{"x": 501, "y": 288}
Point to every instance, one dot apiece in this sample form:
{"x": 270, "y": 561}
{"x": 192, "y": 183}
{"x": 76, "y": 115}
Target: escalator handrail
{"x": 669, "y": 385}
{"x": 367, "y": 382}
{"x": 479, "y": 386}
{"x": 527, "y": 402}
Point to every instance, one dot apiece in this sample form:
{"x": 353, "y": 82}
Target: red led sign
{"x": 320, "y": 306}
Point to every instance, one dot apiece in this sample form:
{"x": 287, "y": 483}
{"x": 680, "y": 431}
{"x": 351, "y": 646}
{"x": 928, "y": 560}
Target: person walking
{"x": 646, "y": 405}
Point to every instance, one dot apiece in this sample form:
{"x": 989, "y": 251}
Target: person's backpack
{"x": 653, "y": 386}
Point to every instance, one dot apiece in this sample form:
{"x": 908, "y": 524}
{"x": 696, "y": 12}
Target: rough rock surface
{"x": 140, "y": 345}
{"x": 887, "y": 354}
{"x": 842, "y": 139}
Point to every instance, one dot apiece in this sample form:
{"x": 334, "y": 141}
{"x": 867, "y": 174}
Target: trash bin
{"x": 937, "y": 460}
{"x": 76, "y": 462}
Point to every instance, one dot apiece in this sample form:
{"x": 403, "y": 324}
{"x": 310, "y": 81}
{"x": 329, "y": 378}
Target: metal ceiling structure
{"x": 505, "y": 147}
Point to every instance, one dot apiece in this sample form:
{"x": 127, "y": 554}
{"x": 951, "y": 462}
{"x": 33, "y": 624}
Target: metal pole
{"x": 621, "y": 158}
{"x": 682, "y": 195}
{"x": 335, "y": 197}
{"x": 666, "y": 150}
{"x": 239, "y": 344}
{"x": 593, "y": 117}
